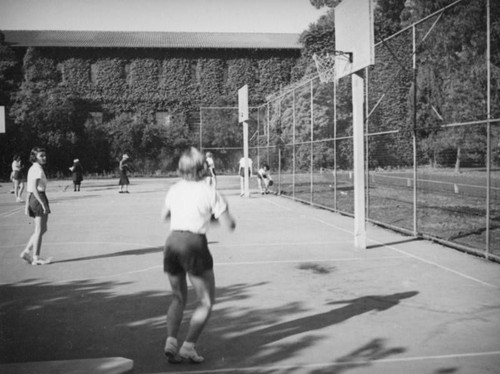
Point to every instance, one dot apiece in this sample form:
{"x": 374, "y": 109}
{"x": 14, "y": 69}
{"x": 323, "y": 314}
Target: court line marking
{"x": 11, "y": 212}
{"x": 456, "y": 272}
{"x": 277, "y": 244}
{"x": 337, "y": 364}
{"x": 305, "y": 261}
{"x": 442, "y": 267}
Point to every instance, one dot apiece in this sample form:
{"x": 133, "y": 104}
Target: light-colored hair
{"x": 34, "y": 152}
{"x": 192, "y": 165}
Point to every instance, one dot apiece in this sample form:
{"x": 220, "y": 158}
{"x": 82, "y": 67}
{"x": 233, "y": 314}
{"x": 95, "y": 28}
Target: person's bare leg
{"x": 40, "y": 229}
{"x": 204, "y": 286}
{"x": 20, "y": 192}
{"x": 174, "y": 315}
{"x": 176, "y": 309}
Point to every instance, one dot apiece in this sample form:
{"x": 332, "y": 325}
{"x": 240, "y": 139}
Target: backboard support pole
{"x": 243, "y": 117}
{"x": 246, "y": 178}
{"x": 358, "y": 160}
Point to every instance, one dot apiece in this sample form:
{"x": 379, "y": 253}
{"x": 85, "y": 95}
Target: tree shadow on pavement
{"x": 43, "y": 321}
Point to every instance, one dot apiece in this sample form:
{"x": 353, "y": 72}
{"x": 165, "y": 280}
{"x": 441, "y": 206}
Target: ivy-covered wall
{"x": 97, "y": 103}
{"x": 139, "y": 80}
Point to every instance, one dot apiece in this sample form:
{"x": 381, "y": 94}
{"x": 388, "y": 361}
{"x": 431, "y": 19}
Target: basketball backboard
{"x": 243, "y": 104}
{"x": 354, "y": 36}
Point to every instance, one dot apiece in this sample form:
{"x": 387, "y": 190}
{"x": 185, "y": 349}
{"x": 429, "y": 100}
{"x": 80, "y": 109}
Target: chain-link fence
{"x": 432, "y": 134}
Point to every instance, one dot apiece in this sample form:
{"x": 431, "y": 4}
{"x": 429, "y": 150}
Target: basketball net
{"x": 325, "y": 64}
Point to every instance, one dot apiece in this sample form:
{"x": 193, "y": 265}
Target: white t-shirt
{"x": 16, "y": 165}
{"x": 210, "y": 162}
{"x": 191, "y": 205}
{"x": 36, "y": 172}
{"x": 242, "y": 163}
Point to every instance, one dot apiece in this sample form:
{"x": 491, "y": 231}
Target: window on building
{"x": 225, "y": 73}
{"x": 60, "y": 71}
{"x": 196, "y": 71}
{"x": 96, "y": 117}
{"x": 163, "y": 74}
{"x": 127, "y": 68}
{"x": 94, "y": 120}
{"x": 94, "y": 70}
{"x": 130, "y": 115}
{"x": 163, "y": 118}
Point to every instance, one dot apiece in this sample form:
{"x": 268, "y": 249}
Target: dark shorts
{"x": 35, "y": 208}
{"x": 17, "y": 175}
{"x": 242, "y": 172}
{"x": 186, "y": 252}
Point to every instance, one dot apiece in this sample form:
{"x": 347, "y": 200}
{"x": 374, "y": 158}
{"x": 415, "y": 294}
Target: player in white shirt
{"x": 190, "y": 204}
{"x": 37, "y": 206}
{"x": 211, "y": 169}
{"x": 241, "y": 172}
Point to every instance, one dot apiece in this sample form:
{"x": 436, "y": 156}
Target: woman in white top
{"x": 37, "y": 206}
{"x": 17, "y": 177}
{"x": 241, "y": 172}
{"x": 190, "y": 204}
{"x": 212, "y": 177}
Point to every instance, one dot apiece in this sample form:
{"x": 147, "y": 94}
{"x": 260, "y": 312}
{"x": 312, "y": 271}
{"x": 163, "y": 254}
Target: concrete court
{"x": 293, "y": 295}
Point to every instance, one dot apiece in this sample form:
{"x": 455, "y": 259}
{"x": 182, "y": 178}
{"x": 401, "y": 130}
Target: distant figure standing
{"x": 241, "y": 172}
{"x": 37, "y": 206}
{"x": 17, "y": 177}
{"x": 211, "y": 169}
{"x": 190, "y": 205}
{"x": 124, "y": 169}
{"x": 76, "y": 174}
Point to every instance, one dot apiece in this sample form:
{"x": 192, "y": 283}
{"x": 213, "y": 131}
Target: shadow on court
{"x": 87, "y": 319}
{"x": 130, "y": 252}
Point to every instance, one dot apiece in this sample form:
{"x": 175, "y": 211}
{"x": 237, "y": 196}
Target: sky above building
{"x": 280, "y": 16}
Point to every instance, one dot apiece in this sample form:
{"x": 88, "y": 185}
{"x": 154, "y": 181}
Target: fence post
{"x": 488, "y": 127}
{"x": 312, "y": 144}
{"x": 293, "y": 145}
{"x": 414, "y": 133}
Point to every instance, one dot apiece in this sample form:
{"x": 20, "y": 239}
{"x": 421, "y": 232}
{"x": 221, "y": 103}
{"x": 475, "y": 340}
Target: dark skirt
{"x": 123, "y": 179}
{"x": 35, "y": 208}
{"x": 17, "y": 175}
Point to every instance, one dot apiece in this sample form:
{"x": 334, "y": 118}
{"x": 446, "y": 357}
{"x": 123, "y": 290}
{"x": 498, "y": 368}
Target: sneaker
{"x": 189, "y": 353}
{"x": 171, "y": 351}
{"x": 40, "y": 261}
{"x": 26, "y": 257}
{"x": 19, "y": 200}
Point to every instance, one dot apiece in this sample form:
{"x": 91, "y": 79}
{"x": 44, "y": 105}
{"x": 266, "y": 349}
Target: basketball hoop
{"x": 325, "y": 64}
